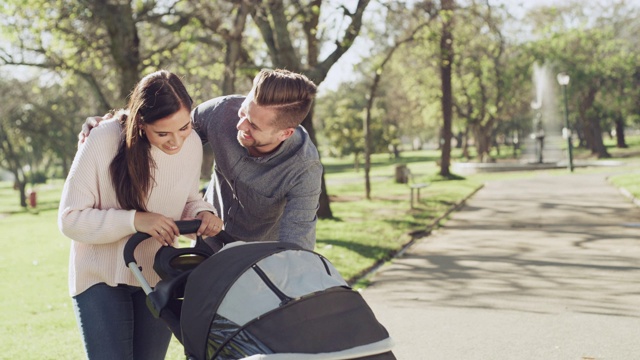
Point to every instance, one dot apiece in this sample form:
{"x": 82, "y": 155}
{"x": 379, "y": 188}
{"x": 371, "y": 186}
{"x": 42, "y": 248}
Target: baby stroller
{"x": 258, "y": 301}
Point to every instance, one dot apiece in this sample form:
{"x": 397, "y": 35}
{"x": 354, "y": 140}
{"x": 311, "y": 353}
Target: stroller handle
{"x": 185, "y": 227}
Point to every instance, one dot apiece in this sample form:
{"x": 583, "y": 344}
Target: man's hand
{"x": 211, "y": 224}
{"x": 90, "y": 123}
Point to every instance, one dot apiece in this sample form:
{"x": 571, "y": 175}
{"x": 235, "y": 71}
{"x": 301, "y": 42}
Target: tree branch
{"x": 319, "y": 73}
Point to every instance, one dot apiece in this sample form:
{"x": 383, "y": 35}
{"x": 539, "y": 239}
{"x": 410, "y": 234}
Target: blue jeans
{"x": 116, "y": 324}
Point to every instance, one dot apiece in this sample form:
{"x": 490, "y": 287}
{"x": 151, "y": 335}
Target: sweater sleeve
{"x": 88, "y": 211}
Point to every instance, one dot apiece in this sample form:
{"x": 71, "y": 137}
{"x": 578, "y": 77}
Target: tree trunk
{"x": 465, "y": 144}
{"x": 232, "y": 57}
{"x": 324, "y": 206}
{"x": 324, "y": 209}
{"x": 20, "y": 183}
{"x": 620, "y": 141}
{"x": 446, "y": 61}
{"x": 233, "y": 42}
{"x": 22, "y": 186}
{"x": 593, "y": 129}
{"x": 598, "y": 146}
{"x": 482, "y": 137}
{"x": 125, "y": 43}
{"x": 367, "y": 139}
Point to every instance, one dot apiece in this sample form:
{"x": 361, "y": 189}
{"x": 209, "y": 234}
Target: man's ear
{"x": 286, "y": 133}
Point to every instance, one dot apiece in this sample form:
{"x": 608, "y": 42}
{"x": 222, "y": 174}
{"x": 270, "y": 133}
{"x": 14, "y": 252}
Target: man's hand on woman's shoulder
{"x": 89, "y": 124}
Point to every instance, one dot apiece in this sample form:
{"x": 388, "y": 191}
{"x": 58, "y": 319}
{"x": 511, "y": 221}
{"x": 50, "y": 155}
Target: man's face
{"x": 255, "y": 130}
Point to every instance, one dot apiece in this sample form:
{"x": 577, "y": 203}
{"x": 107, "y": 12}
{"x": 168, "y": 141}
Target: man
{"x": 267, "y": 172}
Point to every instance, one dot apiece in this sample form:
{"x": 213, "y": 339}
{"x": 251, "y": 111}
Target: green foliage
{"x": 38, "y": 177}
{"x": 411, "y": 89}
{"x": 107, "y": 43}
{"x": 37, "y": 139}
{"x": 340, "y": 116}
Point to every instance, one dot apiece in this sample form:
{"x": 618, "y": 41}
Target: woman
{"x": 138, "y": 172}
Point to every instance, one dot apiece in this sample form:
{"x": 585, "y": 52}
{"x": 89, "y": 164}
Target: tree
{"x": 411, "y": 90}
{"x": 33, "y": 134}
{"x": 378, "y": 68}
{"x": 111, "y": 45}
{"x": 14, "y": 148}
{"x": 480, "y": 75}
{"x": 341, "y": 121}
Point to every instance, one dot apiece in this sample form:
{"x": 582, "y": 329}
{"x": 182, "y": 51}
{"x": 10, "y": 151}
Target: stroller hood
{"x": 270, "y": 298}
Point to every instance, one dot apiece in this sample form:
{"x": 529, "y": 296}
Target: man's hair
{"x": 290, "y": 94}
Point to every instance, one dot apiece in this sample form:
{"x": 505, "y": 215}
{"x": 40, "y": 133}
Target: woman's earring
{"x": 140, "y": 132}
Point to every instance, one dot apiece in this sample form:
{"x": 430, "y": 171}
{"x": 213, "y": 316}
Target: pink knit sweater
{"x": 89, "y": 213}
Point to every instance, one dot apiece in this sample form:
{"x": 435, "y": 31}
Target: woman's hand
{"x": 163, "y": 229}
{"x": 211, "y": 225}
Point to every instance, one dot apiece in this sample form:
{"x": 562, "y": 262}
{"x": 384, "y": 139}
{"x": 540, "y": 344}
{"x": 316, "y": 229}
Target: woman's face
{"x": 169, "y": 133}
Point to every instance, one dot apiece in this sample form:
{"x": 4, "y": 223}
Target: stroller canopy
{"x": 272, "y": 300}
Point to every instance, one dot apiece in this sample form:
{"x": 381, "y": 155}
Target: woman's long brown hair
{"x": 155, "y": 97}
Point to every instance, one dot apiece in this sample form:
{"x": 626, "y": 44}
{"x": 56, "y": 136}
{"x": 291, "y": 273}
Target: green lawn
{"x": 36, "y": 313}
{"x": 36, "y": 310}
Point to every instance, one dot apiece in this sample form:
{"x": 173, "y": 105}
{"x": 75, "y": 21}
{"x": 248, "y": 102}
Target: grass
{"x": 630, "y": 180}
{"x": 36, "y": 310}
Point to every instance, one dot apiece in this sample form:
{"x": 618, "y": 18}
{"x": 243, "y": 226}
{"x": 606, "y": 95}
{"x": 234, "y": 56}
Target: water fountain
{"x": 545, "y": 148}
{"x": 545, "y": 143}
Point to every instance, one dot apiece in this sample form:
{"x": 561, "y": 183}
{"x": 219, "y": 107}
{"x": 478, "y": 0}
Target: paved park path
{"x": 542, "y": 268}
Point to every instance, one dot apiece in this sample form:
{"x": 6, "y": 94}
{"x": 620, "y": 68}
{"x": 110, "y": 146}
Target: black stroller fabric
{"x": 258, "y": 299}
